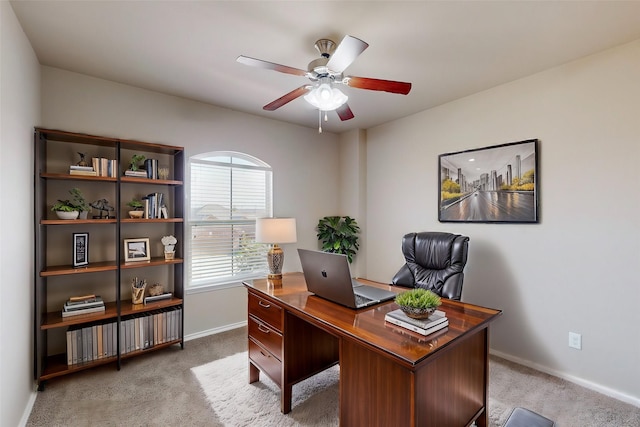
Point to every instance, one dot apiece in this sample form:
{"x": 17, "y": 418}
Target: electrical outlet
{"x": 575, "y": 340}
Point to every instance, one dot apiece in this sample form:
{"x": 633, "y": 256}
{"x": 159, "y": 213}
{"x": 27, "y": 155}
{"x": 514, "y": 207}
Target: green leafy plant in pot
{"x": 65, "y": 209}
{"x": 418, "y": 303}
{"x": 137, "y": 208}
{"x": 339, "y": 234}
{"x": 80, "y": 202}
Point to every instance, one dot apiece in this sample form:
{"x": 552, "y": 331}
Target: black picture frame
{"x": 137, "y": 250}
{"x": 80, "y": 243}
{"x": 496, "y": 184}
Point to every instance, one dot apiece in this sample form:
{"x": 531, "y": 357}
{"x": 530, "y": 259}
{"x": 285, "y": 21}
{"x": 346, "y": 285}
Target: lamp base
{"x": 275, "y": 259}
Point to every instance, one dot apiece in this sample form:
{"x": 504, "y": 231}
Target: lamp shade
{"x": 276, "y": 230}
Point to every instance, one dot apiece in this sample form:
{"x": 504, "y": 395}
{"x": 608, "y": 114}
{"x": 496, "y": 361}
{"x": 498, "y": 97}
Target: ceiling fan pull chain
{"x": 319, "y": 121}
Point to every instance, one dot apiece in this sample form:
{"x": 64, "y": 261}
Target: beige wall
{"x": 19, "y": 112}
{"x": 303, "y": 189}
{"x": 574, "y": 271}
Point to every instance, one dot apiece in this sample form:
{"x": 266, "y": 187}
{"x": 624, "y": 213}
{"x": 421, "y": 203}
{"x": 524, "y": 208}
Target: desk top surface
{"x": 368, "y": 326}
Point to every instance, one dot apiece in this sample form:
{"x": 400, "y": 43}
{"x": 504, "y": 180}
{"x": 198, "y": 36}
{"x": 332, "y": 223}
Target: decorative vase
{"x": 169, "y": 255}
{"x": 137, "y": 294}
{"x": 67, "y": 215}
{"x": 136, "y": 214}
{"x": 417, "y": 313}
{"x": 83, "y": 215}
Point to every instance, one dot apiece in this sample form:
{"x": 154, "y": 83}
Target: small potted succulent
{"x": 137, "y": 209}
{"x": 65, "y": 209}
{"x": 418, "y": 303}
{"x": 136, "y": 159}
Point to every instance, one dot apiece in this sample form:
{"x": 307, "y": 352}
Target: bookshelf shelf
{"x": 107, "y": 273}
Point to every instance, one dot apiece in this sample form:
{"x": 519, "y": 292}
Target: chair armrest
{"x": 404, "y": 277}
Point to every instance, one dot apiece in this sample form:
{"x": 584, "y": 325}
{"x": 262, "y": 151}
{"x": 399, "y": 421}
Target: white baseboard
{"x": 213, "y": 331}
{"x": 576, "y": 380}
{"x": 29, "y": 407}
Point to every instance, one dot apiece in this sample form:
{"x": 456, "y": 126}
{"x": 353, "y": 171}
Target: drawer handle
{"x": 265, "y": 305}
{"x": 262, "y": 328}
{"x": 265, "y": 355}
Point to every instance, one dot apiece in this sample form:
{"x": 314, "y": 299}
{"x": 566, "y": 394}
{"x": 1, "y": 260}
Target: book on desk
{"x": 438, "y": 320}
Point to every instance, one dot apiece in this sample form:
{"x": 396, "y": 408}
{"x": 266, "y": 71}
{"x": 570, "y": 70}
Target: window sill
{"x": 212, "y": 288}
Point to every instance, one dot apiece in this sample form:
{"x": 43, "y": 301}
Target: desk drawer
{"x": 266, "y": 361}
{"x": 266, "y": 311}
{"x": 267, "y": 337}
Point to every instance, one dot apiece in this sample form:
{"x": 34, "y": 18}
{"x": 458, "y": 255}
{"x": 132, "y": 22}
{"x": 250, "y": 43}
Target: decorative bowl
{"x": 67, "y": 215}
{"x": 136, "y": 214}
{"x": 417, "y": 313}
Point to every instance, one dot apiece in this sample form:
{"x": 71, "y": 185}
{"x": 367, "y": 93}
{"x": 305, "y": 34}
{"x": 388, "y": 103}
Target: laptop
{"x": 328, "y": 276}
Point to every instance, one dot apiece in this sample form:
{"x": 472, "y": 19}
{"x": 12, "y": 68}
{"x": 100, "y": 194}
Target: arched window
{"x": 228, "y": 191}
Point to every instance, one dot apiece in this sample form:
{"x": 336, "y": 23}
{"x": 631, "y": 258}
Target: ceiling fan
{"x": 325, "y": 74}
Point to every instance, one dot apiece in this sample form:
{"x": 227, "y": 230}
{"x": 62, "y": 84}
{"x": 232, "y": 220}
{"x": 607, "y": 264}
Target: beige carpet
{"x": 162, "y": 389}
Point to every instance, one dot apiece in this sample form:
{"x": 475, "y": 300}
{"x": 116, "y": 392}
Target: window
{"x": 228, "y": 192}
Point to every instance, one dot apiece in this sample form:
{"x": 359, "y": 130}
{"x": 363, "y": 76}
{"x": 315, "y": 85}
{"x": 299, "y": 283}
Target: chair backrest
{"x": 434, "y": 261}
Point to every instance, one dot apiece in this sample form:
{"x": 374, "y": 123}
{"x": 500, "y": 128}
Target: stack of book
{"x": 105, "y": 167}
{"x": 82, "y": 170}
{"x": 83, "y": 305}
{"x": 152, "y": 298}
{"x": 438, "y": 320}
{"x": 140, "y": 173}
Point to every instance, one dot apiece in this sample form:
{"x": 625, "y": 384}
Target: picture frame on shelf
{"x": 137, "y": 250}
{"x": 496, "y": 184}
{"x": 80, "y": 249}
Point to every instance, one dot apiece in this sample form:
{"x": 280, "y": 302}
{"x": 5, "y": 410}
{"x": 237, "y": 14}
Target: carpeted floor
{"x": 162, "y": 389}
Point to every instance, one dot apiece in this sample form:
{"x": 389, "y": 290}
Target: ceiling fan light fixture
{"x": 325, "y": 97}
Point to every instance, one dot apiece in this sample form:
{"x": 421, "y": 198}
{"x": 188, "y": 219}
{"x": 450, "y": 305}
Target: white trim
{"x": 214, "y": 331}
{"x": 212, "y": 287}
{"x": 29, "y": 407}
{"x": 576, "y": 380}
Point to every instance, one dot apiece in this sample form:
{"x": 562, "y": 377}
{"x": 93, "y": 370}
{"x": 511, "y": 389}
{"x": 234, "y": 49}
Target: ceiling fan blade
{"x": 346, "y": 52}
{"x": 270, "y": 66}
{"x": 377, "y": 84}
{"x": 344, "y": 112}
{"x": 296, "y": 93}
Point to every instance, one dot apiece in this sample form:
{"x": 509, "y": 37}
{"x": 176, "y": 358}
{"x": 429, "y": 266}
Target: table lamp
{"x": 275, "y": 231}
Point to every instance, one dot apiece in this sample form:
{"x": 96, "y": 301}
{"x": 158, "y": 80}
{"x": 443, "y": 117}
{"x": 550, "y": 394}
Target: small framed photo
{"x": 136, "y": 250}
{"x": 80, "y": 249}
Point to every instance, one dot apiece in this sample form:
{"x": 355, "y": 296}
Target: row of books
{"x": 95, "y": 341}
{"x": 83, "y": 305}
{"x": 154, "y": 206}
{"x": 100, "y": 166}
{"x": 437, "y": 321}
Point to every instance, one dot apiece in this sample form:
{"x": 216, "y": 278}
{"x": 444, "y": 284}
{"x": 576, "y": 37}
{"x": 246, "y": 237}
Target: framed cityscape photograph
{"x": 497, "y": 184}
{"x": 80, "y": 249}
{"x": 136, "y": 250}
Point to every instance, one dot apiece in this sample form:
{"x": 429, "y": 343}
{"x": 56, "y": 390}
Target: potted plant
{"x": 339, "y": 234}
{"x": 136, "y": 159}
{"x": 137, "y": 207}
{"x": 65, "y": 209}
{"x": 418, "y": 303}
{"x": 80, "y": 202}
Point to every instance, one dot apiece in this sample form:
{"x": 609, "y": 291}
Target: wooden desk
{"x": 389, "y": 376}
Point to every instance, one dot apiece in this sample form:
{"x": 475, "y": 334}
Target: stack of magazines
{"x": 438, "y": 320}
{"x": 83, "y": 305}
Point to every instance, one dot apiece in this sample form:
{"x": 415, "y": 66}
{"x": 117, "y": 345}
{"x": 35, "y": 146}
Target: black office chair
{"x": 434, "y": 261}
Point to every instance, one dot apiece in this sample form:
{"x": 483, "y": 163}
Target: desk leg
{"x": 285, "y": 403}
{"x": 254, "y": 373}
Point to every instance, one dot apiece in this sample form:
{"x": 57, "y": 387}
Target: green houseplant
{"x": 80, "y": 202}
{"x": 339, "y": 234}
{"x": 136, "y": 206}
{"x": 418, "y": 303}
{"x": 65, "y": 209}
{"x": 135, "y": 161}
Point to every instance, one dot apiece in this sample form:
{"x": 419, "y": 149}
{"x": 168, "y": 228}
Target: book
{"x": 82, "y": 306}
{"x": 81, "y": 172}
{"x": 80, "y": 300}
{"x": 138, "y": 173}
{"x": 81, "y": 168}
{"x": 435, "y": 322}
{"x": 84, "y": 311}
{"x": 166, "y": 295}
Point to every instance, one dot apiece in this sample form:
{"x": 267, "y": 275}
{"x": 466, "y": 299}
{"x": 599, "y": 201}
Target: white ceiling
{"x": 447, "y": 49}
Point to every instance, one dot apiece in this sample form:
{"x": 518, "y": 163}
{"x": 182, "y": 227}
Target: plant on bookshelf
{"x": 138, "y": 208}
{"x": 134, "y": 165}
